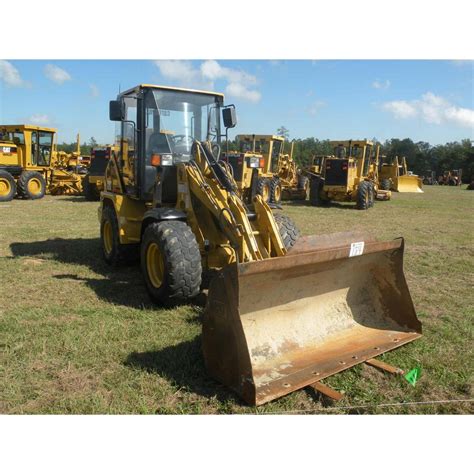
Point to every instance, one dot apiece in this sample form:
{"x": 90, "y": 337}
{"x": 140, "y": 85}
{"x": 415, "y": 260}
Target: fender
{"x": 159, "y": 214}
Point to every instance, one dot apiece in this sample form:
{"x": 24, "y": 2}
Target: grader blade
{"x": 409, "y": 184}
{"x": 277, "y": 325}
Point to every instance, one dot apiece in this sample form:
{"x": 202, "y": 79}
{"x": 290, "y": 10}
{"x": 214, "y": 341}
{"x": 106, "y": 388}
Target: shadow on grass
{"x": 122, "y": 285}
{"x": 182, "y": 365}
{"x": 350, "y": 206}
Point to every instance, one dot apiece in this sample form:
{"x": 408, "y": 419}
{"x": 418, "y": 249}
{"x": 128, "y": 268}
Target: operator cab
{"x": 158, "y": 127}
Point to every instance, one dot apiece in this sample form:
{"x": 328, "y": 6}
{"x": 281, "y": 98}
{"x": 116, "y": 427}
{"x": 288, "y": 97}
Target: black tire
{"x": 372, "y": 195}
{"x": 25, "y": 184}
{"x": 263, "y": 188}
{"x": 90, "y": 190}
{"x": 303, "y": 182}
{"x": 7, "y": 186}
{"x": 117, "y": 254}
{"x": 275, "y": 191}
{"x": 288, "y": 230}
{"x": 315, "y": 191}
{"x": 181, "y": 264}
{"x": 385, "y": 184}
{"x": 364, "y": 192}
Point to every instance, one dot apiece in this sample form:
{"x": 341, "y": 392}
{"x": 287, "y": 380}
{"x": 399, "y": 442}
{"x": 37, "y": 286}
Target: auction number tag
{"x": 357, "y": 248}
{"x": 6, "y": 149}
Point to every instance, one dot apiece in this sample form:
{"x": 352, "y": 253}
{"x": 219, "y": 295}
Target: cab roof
{"x": 169, "y": 88}
{"x": 352, "y": 142}
{"x": 245, "y": 136}
{"x": 20, "y": 128}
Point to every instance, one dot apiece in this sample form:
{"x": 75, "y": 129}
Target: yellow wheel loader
{"x": 93, "y": 182}
{"x": 282, "y": 312}
{"x": 350, "y": 175}
{"x": 30, "y": 164}
{"x": 394, "y": 175}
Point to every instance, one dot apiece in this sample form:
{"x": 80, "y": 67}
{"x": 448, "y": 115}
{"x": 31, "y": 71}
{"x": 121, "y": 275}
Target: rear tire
{"x": 31, "y": 185}
{"x": 275, "y": 191}
{"x": 372, "y": 195}
{"x": 263, "y": 188}
{"x": 385, "y": 185}
{"x": 288, "y": 230}
{"x": 171, "y": 262}
{"x": 315, "y": 191}
{"x": 363, "y": 195}
{"x": 113, "y": 251}
{"x": 7, "y": 186}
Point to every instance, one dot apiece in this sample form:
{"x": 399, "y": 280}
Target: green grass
{"x": 80, "y": 337}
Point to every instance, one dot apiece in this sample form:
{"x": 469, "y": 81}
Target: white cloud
{"x": 432, "y": 109}
{"x": 378, "y": 84}
{"x": 94, "y": 90}
{"x": 313, "y": 108}
{"x": 56, "y": 74}
{"x": 239, "y": 91}
{"x": 240, "y": 84}
{"x": 39, "y": 119}
{"x": 10, "y": 75}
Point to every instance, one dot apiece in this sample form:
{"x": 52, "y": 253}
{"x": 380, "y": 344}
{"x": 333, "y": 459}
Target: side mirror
{"x": 229, "y": 116}
{"x": 116, "y": 111}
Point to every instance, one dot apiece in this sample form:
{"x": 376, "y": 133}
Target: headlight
{"x": 166, "y": 160}
{"x": 254, "y": 162}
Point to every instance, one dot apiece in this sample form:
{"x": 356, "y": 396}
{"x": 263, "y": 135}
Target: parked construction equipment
{"x": 394, "y": 175}
{"x": 275, "y": 173}
{"x": 93, "y": 182}
{"x": 282, "y": 312}
{"x": 451, "y": 178}
{"x": 350, "y": 175}
{"x": 30, "y": 164}
{"x": 430, "y": 178}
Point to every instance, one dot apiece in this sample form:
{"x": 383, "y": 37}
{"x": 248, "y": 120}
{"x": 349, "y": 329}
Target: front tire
{"x": 364, "y": 191}
{"x": 7, "y": 186}
{"x": 171, "y": 262}
{"x": 90, "y": 190}
{"x": 315, "y": 191}
{"x": 263, "y": 188}
{"x": 31, "y": 185}
{"x": 275, "y": 191}
{"x": 385, "y": 185}
{"x": 288, "y": 230}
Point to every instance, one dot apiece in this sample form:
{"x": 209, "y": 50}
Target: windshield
{"x": 174, "y": 119}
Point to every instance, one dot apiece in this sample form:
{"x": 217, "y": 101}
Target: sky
{"x": 430, "y": 101}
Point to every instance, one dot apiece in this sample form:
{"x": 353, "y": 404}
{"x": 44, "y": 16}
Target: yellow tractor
{"x": 93, "y": 182}
{"x": 350, "y": 175}
{"x": 294, "y": 184}
{"x": 394, "y": 175}
{"x": 262, "y": 167}
{"x": 282, "y": 312}
{"x": 251, "y": 166}
{"x": 30, "y": 165}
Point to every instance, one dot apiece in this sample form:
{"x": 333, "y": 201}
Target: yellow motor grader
{"x": 350, "y": 175}
{"x": 394, "y": 175}
{"x": 283, "y": 311}
{"x": 30, "y": 164}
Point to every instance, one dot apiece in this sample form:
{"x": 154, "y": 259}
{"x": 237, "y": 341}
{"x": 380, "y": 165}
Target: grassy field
{"x": 80, "y": 337}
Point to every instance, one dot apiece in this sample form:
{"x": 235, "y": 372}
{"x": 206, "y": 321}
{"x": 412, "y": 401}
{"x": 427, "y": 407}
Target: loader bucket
{"x": 277, "y": 325}
{"x": 409, "y": 184}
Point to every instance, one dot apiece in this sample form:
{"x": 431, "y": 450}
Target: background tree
{"x": 283, "y": 132}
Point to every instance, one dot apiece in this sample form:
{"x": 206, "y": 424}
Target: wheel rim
{"x": 108, "y": 237}
{"x": 154, "y": 265}
{"x": 5, "y": 187}
{"x": 265, "y": 192}
{"x": 34, "y": 186}
{"x": 277, "y": 193}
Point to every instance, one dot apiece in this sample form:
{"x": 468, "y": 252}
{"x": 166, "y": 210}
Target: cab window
{"x": 45, "y": 147}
